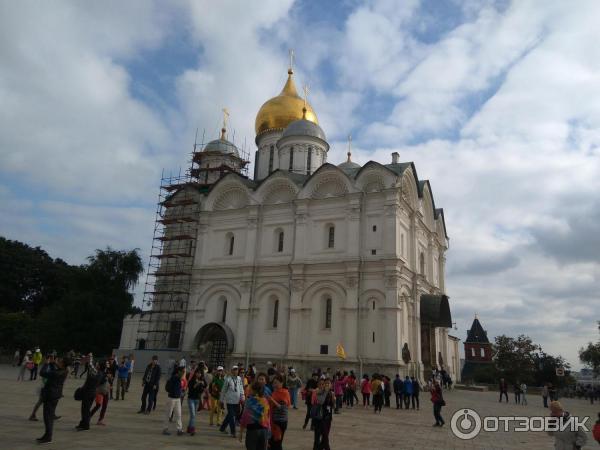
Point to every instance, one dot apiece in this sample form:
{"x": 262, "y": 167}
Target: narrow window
{"x": 328, "y": 313}
{"x": 309, "y": 162}
{"x": 331, "y": 237}
{"x": 374, "y": 228}
{"x": 174, "y": 334}
{"x": 373, "y": 252}
{"x": 482, "y": 353}
{"x": 472, "y": 351}
{"x": 373, "y": 336}
{"x": 231, "y": 243}
{"x": 275, "y": 313}
{"x": 422, "y": 263}
{"x": 271, "y": 154}
{"x": 280, "y": 242}
{"x": 373, "y": 305}
{"x": 291, "y": 159}
{"x": 224, "y": 311}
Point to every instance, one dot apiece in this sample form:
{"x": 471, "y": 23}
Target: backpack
{"x": 169, "y": 386}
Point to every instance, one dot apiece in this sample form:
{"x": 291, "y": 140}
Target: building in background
{"x": 478, "y": 351}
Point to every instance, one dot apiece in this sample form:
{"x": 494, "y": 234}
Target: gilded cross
{"x": 306, "y": 91}
{"x": 225, "y": 117}
{"x": 291, "y": 52}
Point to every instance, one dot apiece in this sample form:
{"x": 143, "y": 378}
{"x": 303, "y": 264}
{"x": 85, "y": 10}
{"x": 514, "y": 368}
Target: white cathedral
{"x": 300, "y": 260}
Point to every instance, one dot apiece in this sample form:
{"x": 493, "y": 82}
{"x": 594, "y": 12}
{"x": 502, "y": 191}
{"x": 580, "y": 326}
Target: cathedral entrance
{"x": 214, "y": 343}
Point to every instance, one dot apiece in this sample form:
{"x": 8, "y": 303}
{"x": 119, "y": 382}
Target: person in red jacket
{"x": 365, "y": 389}
{"x": 438, "y": 401}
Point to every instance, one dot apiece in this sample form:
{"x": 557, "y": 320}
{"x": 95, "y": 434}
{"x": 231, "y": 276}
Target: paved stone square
{"x": 353, "y": 429}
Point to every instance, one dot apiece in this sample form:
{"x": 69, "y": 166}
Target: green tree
{"x": 515, "y": 358}
{"x": 590, "y": 355}
{"x": 91, "y": 313}
{"x": 16, "y": 331}
{"x": 121, "y": 269}
{"x": 545, "y": 369}
{"x": 29, "y": 278}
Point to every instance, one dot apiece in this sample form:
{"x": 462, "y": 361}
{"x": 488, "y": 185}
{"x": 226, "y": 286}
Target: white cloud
{"x": 516, "y": 90}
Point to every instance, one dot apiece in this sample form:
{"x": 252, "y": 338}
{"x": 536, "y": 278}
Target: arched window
{"x": 224, "y": 316}
{"x": 482, "y": 352}
{"x": 402, "y": 244}
{"x": 330, "y": 236}
{"x": 275, "y": 313}
{"x": 291, "y": 166}
{"x": 309, "y": 162}
{"x": 328, "y": 308}
{"x": 280, "y": 241}
{"x": 472, "y": 351}
{"x": 231, "y": 244}
{"x": 422, "y": 263}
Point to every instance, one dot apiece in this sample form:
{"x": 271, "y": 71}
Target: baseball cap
{"x": 234, "y": 367}
{"x": 219, "y": 367}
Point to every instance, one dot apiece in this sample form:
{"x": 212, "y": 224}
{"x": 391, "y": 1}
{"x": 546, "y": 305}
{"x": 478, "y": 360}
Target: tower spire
{"x": 349, "y": 147}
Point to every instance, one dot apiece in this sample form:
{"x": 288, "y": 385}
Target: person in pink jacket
{"x": 339, "y": 384}
{"x": 365, "y": 389}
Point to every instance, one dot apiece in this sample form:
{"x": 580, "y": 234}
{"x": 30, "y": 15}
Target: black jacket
{"x": 55, "y": 380}
{"x": 151, "y": 375}
{"x": 398, "y": 385}
{"x": 91, "y": 382}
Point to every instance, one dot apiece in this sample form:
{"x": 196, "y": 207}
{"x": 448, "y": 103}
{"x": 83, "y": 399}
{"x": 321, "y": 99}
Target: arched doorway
{"x": 214, "y": 342}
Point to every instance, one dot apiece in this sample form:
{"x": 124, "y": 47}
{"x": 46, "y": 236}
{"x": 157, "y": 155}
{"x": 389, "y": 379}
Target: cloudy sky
{"x": 497, "y": 103}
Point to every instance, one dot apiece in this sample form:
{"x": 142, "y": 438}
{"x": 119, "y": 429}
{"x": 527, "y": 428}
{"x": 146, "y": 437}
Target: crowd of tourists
{"x": 247, "y": 404}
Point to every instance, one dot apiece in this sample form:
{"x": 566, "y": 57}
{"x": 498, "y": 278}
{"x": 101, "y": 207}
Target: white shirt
{"x": 233, "y": 390}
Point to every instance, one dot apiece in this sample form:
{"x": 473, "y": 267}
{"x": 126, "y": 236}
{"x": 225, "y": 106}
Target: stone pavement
{"x": 353, "y": 429}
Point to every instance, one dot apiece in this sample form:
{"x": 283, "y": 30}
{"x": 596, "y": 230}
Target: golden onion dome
{"x": 278, "y": 112}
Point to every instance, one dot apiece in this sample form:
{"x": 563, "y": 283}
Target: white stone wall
{"x": 374, "y": 303}
{"x": 129, "y": 333}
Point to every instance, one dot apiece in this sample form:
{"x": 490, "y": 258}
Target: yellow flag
{"x": 339, "y": 350}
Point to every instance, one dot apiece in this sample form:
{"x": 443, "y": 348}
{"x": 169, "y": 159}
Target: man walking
{"x": 173, "y": 388}
{"x": 232, "y": 395}
{"x": 503, "y": 388}
{"x": 122, "y": 373}
{"x": 407, "y": 391}
{"x": 55, "y": 373}
{"x": 130, "y": 363}
{"x": 416, "y": 389}
{"x": 398, "y": 386}
{"x": 150, "y": 385}
{"x": 37, "y": 360}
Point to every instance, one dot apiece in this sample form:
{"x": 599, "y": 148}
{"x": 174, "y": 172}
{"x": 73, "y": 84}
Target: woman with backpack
{"x": 255, "y": 419}
{"x": 377, "y": 390}
{"x": 102, "y": 393}
{"x": 322, "y": 405}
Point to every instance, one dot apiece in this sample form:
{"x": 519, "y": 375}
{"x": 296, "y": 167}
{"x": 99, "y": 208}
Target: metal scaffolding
{"x": 169, "y": 275}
